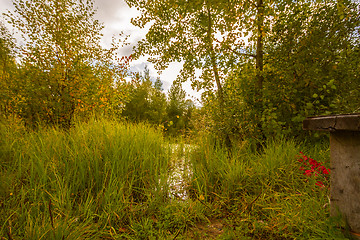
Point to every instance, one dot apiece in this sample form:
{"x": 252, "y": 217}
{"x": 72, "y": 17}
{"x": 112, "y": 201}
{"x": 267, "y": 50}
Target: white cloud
{"x": 5, "y": 5}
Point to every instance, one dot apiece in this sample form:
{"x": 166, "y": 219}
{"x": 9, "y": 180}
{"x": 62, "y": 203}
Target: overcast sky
{"x": 116, "y": 16}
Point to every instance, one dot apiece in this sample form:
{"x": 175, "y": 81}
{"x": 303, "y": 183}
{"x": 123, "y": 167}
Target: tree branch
{"x": 237, "y": 53}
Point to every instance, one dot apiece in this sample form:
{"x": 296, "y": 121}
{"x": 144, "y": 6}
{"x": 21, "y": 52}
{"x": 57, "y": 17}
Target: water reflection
{"x": 180, "y": 171}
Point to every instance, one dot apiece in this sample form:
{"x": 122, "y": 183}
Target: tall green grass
{"x": 263, "y": 195}
{"x": 109, "y": 180}
{"x": 88, "y": 182}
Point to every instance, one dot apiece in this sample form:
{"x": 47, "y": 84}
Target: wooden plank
{"x": 345, "y": 122}
{"x": 345, "y": 177}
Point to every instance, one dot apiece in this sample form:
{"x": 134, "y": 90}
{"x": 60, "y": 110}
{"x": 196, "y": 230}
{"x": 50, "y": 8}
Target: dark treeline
{"x": 148, "y": 103}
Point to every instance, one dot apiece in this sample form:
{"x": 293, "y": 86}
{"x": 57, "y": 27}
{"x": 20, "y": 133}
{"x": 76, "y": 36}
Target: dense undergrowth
{"x": 266, "y": 195}
{"x": 89, "y": 182}
{"x": 107, "y": 180}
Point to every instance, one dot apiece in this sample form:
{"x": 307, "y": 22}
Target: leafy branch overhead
{"x": 203, "y": 34}
{"x": 265, "y": 59}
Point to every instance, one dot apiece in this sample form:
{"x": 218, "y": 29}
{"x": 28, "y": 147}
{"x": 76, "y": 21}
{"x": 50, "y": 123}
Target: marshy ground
{"x": 179, "y": 181}
{"x": 110, "y": 180}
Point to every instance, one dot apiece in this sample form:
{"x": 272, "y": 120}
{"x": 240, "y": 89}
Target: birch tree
{"x": 63, "y": 63}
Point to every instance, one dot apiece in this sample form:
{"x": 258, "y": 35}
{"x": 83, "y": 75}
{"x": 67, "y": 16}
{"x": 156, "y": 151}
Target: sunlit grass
{"x": 109, "y": 180}
{"x": 263, "y": 195}
{"x": 78, "y": 184}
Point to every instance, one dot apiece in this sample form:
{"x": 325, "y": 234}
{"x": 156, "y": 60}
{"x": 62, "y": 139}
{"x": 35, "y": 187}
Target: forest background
{"x": 263, "y": 66}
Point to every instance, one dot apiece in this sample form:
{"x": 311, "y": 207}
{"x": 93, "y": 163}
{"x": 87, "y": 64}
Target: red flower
{"x": 308, "y": 173}
{"x": 326, "y": 171}
{"x": 313, "y": 168}
{"x": 320, "y": 184}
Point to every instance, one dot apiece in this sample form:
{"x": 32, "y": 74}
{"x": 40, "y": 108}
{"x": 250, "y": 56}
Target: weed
{"x": 109, "y": 180}
{"x": 71, "y": 185}
{"x": 262, "y": 195}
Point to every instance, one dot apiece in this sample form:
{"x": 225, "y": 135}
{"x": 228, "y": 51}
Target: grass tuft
{"x": 77, "y": 184}
{"x": 109, "y": 180}
{"x": 263, "y": 195}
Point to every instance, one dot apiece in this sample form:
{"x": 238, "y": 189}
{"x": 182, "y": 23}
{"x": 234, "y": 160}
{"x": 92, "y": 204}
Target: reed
{"x": 109, "y": 180}
{"x": 78, "y": 184}
{"x": 263, "y": 195}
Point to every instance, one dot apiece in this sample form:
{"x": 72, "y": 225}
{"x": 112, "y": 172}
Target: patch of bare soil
{"x": 210, "y": 230}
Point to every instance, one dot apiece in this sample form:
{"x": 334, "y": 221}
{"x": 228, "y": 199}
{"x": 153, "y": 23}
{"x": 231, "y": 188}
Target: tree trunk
{"x": 260, "y": 67}
{"x": 260, "y": 48}
{"x": 220, "y": 94}
{"x": 213, "y": 62}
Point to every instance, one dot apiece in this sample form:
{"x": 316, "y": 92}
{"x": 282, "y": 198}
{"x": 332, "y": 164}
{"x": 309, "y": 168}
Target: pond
{"x": 180, "y": 171}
